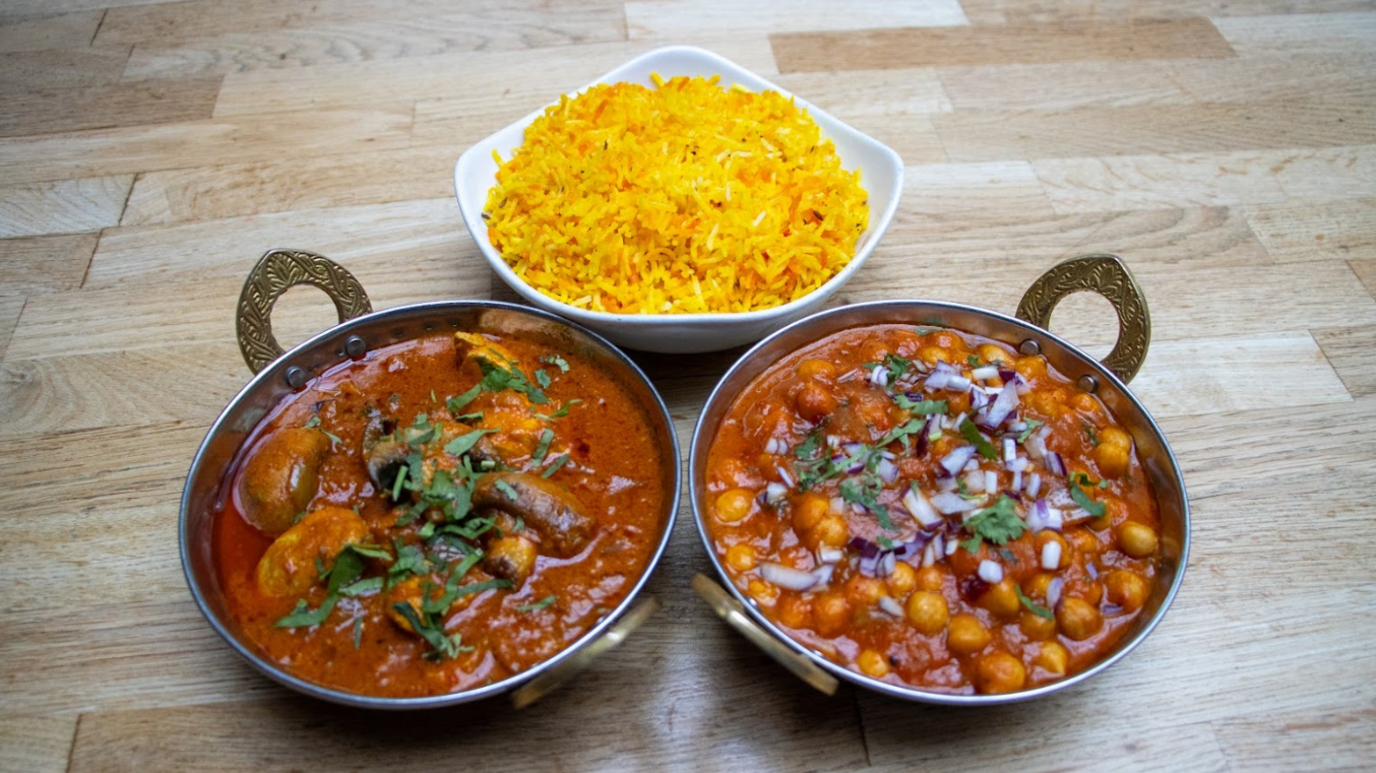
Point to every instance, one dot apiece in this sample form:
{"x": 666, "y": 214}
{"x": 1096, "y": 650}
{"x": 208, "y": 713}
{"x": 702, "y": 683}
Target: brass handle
{"x": 735, "y": 616}
{"x": 550, "y": 680}
{"x": 276, "y": 272}
{"x": 1109, "y": 277}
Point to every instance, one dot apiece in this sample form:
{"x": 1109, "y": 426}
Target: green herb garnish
{"x": 559, "y": 414}
{"x": 1082, "y": 499}
{"x": 541, "y": 604}
{"x": 997, "y": 523}
{"x": 1032, "y": 606}
{"x": 465, "y": 442}
{"x": 922, "y": 407}
{"x": 557, "y": 361}
{"x": 972, "y": 434}
{"x": 558, "y": 462}
{"x": 542, "y": 447}
{"x": 1032, "y": 426}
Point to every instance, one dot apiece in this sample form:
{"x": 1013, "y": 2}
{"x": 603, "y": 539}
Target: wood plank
{"x": 50, "y": 30}
{"x": 43, "y": 264}
{"x": 1222, "y": 375}
{"x": 281, "y": 185}
{"x": 888, "y": 93}
{"x": 1366, "y": 272}
{"x": 1352, "y": 351}
{"x": 65, "y": 206}
{"x": 418, "y": 244}
{"x": 48, "y": 111}
{"x": 1190, "y": 38}
{"x": 1209, "y": 179}
{"x": 40, "y": 744}
{"x": 984, "y": 135}
{"x": 1069, "y": 85}
{"x": 675, "y": 19}
{"x": 1046, "y": 11}
{"x": 104, "y": 152}
{"x": 478, "y": 83}
{"x": 59, "y": 68}
{"x": 67, "y": 324}
{"x": 11, "y": 306}
{"x": 1289, "y": 741}
{"x": 164, "y": 24}
{"x": 993, "y": 185}
{"x": 444, "y": 29}
{"x": 1326, "y": 33}
{"x": 1339, "y": 230}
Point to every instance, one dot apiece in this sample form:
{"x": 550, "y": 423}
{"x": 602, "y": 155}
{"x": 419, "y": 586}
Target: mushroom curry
{"x": 440, "y": 515}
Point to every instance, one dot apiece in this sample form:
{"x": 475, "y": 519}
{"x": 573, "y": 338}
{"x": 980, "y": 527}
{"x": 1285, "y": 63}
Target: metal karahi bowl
{"x": 360, "y": 331}
{"x": 475, "y": 174}
{"x": 1104, "y": 274}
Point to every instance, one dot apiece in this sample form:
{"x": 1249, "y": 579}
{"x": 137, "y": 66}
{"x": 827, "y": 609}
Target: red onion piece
{"x": 990, "y": 571}
{"x": 1053, "y": 591}
{"x": 950, "y": 504}
{"x": 891, "y": 605}
{"x": 955, "y": 461}
{"x": 786, "y": 576}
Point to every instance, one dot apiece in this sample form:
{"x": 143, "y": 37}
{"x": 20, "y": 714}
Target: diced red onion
{"x": 1051, "y": 555}
{"x": 1053, "y": 591}
{"x": 868, "y": 550}
{"x": 1034, "y": 484}
{"x": 941, "y": 376}
{"x": 958, "y": 384}
{"x": 985, "y": 372}
{"x": 886, "y": 564}
{"x": 891, "y": 605}
{"x": 979, "y": 400}
{"x": 787, "y": 576}
{"x": 1054, "y": 464}
{"x": 1010, "y": 449}
{"x": 1009, "y": 376}
{"x": 951, "y": 546}
{"x": 946, "y": 483}
{"x": 1000, "y": 409}
{"x": 879, "y": 376}
{"x": 1042, "y": 517}
{"x": 830, "y": 555}
{"x": 990, "y": 572}
{"x": 1017, "y": 480}
{"x": 974, "y": 482}
{"x": 950, "y": 504}
{"x": 1017, "y": 464}
{"x": 991, "y": 481}
{"x": 823, "y": 573}
{"x": 887, "y": 470}
{"x": 1017, "y": 426}
{"x": 773, "y": 492}
{"x": 1093, "y": 570}
{"x": 920, "y": 508}
{"x": 775, "y": 446}
{"x": 954, "y": 461}
{"x": 784, "y": 476}
{"x": 1036, "y": 444}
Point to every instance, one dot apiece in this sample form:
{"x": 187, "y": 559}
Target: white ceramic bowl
{"x": 881, "y": 174}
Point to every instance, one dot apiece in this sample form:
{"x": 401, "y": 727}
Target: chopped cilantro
{"x": 972, "y": 434}
{"x": 1032, "y": 426}
{"x": 557, "y": 361}
{"x": 506, "y": 488}
{"x": 559, "y": 414}
{"x": 1032, "y": 606}
{"x": 541, "y": 604}
{"x": 313, "y": 423}
{"x": 922, "y": 407}
{"x": 542, "y": 447}
{"x": 496, "y": 378}
{"x": 358, "y": 631}
{"x": 542, "y": 378}
{"x": 1082, "y": 499}
{"x": 465, "y": 442}
{"x": 865, "y": 492}
{"x": 558, "y": 462}
{"x": 997, "y": 523}
{"x": 1089, "y": 430}
{"x": 456, "y": 404}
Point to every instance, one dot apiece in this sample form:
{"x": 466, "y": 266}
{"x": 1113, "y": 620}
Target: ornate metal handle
{"x": 735, "y": 616}
{"x": 1107, "y": 276}
{"x": 547, "y": 682}
{"x": 276, "y": 272}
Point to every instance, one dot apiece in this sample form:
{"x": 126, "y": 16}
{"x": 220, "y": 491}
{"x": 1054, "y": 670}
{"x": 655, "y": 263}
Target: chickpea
{"x": 830, "y": 613}
{"x": 814, "y": 402}
{"x": 999, "y": 672}
{"x": 947, "y": 340}
{"x": 928, "y": 612}
{"x": 762, "y": 592}
{"x": 933, "y": 354}
{"x": 830, "y": 532}
{"x": 1083, "y": 401}
{"x": 808, "y": 509}
{"x": 930, "y": 578}
{"x": 1128, "y": 590}
{"x": 1035, "y": 626}
{"x": 1113, "y": 452}
{"x": 1046, "y": 537}
{"x": 1078, "y": 619}
{"x": 992, "y": 354}
{"x": 864, "y": 591}
{"x": 872, "y": 663}
{"x": 795, "y": 611}
{"x": 966, "y": 635}
{"x": 902, "y": 580}
{"x": 1001, "y": 599}
{"x": 819, "y": 369}
{"x": 1083, "y": 540}
{"x": 1035, "y": 587}
{"x": 1052, "y": 658}
{"x": 734, "y": 504}
{"x": 1045, "y": 403}
{"x": 1137, "y": 539}
{"x": 1030, "y": 367}
{"x": 742, "y": 557}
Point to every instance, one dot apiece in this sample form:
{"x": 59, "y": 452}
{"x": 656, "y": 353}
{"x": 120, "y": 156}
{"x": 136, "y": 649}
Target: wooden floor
{"x": 150, "y": 152}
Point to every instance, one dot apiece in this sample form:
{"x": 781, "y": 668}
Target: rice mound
{"x": 684, "y": 198}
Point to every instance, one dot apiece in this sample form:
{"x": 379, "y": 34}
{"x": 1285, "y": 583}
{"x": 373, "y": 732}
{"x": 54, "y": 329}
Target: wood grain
{"x": 998, "y": 44}
{"x": 1223, "y": 148}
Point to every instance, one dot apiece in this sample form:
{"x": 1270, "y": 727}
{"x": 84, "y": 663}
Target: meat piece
{"x": 292, "y": 562}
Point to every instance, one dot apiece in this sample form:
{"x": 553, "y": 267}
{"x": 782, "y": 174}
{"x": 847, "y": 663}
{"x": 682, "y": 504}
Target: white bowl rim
{"x": 735, "y": 71}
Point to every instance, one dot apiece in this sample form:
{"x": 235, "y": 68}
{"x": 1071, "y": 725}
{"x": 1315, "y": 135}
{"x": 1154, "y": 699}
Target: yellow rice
{"x": 684, "y": 198}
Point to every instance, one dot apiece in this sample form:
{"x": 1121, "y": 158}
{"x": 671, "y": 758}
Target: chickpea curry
{"x": 931, "y": 509}
{"x": 440, "y": 515}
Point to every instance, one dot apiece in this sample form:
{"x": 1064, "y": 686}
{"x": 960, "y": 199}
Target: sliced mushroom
{"x": 555, "y": 514}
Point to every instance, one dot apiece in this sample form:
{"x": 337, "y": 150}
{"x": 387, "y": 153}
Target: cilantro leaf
{"x": 557, "y": 361}
{"x": 542, "y": 447}
{"x": 922, "y": 407}
{"x": 559, "y": 414}
{"x": 1082, "y": 499}
{"x": 866, "y": 494}
{"x": 558, "y": 462}
{"x": 541, "y": 604}
{"x": 304, "y": 617}
{"x": 998, "y": 523}
{"x": 465, "y": 442}
{"x": 1032, "y": 426}
{"x": 1032, "y": 606}
{"x": 972, "y": 434}
{"x": 456, "y": 404}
